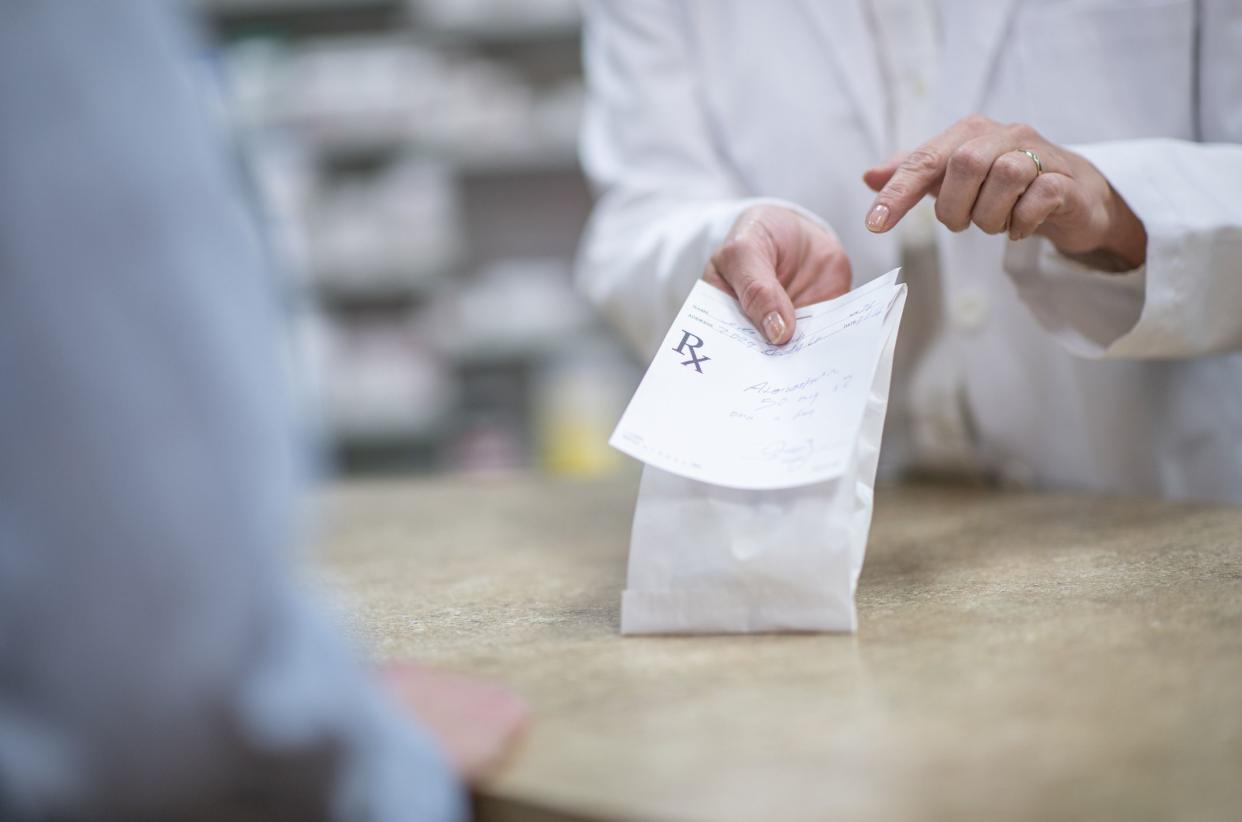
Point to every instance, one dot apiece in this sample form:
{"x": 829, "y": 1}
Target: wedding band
{"x": 1039, "y": 167}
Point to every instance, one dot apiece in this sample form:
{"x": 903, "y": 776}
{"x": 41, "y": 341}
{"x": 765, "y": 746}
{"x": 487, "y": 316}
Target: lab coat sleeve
{"x": 157, "y": 658}
{"x": 666, "y": 197}
{"x": 1186, "y": 300}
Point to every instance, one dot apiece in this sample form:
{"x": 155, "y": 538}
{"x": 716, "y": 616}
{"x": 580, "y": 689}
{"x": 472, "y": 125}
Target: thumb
{"x": 877, "y": 177}
{"x": 751, "y": 276}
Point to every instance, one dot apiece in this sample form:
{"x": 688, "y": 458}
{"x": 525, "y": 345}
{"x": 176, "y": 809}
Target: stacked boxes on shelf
{"x": 418, "y": 169}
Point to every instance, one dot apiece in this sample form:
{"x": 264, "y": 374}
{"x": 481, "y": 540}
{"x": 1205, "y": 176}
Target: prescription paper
{"x": 720, "y": 405}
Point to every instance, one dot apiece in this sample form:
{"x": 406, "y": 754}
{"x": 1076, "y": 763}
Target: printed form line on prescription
{"x": 815, "y": 323}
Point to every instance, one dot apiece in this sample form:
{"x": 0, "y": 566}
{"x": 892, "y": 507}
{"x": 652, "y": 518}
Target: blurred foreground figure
{"x": 1075, "y": 310}
{"x": 157, "y": 661}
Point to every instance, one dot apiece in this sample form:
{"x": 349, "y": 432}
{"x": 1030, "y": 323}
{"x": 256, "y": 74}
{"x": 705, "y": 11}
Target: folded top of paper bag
{"x": 720, "y": 405}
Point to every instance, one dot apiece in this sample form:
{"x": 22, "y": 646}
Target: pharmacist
{"x": 1061, "y": 180}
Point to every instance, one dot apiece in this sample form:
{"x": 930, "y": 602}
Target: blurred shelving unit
{"x": 418, "y": 168}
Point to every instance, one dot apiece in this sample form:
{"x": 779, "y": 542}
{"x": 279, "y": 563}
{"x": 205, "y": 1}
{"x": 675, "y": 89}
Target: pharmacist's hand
{"x": 774, "y": 259}
{"x": 979, "y": 171}
{"x": 475, "y": 722}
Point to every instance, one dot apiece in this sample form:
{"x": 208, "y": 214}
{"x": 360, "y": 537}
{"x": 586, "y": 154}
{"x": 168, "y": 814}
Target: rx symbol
{"x": 689, "y": 345}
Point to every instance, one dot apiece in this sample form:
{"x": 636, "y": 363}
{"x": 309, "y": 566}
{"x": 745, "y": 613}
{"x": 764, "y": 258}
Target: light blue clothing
{"x": 157, "y": 659}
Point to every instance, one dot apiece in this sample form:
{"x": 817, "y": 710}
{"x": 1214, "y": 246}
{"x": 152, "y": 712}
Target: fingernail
{"x": 877, "y": 217}
{"x": 774, "y": 327}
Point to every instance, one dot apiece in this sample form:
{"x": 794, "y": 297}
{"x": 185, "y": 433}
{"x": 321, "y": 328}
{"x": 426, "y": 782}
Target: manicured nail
{"x": 877, "y": 217}
{"x": 774, "y": 327}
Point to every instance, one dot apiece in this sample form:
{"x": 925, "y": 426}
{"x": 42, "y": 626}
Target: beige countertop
{"x": 1021, "y": 656}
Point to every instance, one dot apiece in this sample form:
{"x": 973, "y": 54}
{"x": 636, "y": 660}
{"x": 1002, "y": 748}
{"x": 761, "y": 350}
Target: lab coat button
{"x": 970, "y": 311}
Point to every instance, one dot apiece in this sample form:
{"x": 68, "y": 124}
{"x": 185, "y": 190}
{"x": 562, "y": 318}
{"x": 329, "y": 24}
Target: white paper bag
{"x": 710, "y": 559}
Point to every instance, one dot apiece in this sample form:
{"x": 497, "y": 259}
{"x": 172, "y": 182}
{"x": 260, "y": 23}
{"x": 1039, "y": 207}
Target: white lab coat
{"x": 1069, "y": 377}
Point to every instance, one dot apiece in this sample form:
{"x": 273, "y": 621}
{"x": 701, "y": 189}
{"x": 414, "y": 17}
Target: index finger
{"x": 917, "y": 176}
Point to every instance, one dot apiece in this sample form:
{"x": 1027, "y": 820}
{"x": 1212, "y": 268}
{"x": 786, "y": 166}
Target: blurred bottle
{"x": 579, "y": 398}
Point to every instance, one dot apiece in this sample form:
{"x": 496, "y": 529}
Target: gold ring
{"x": 1039, "y": 167}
